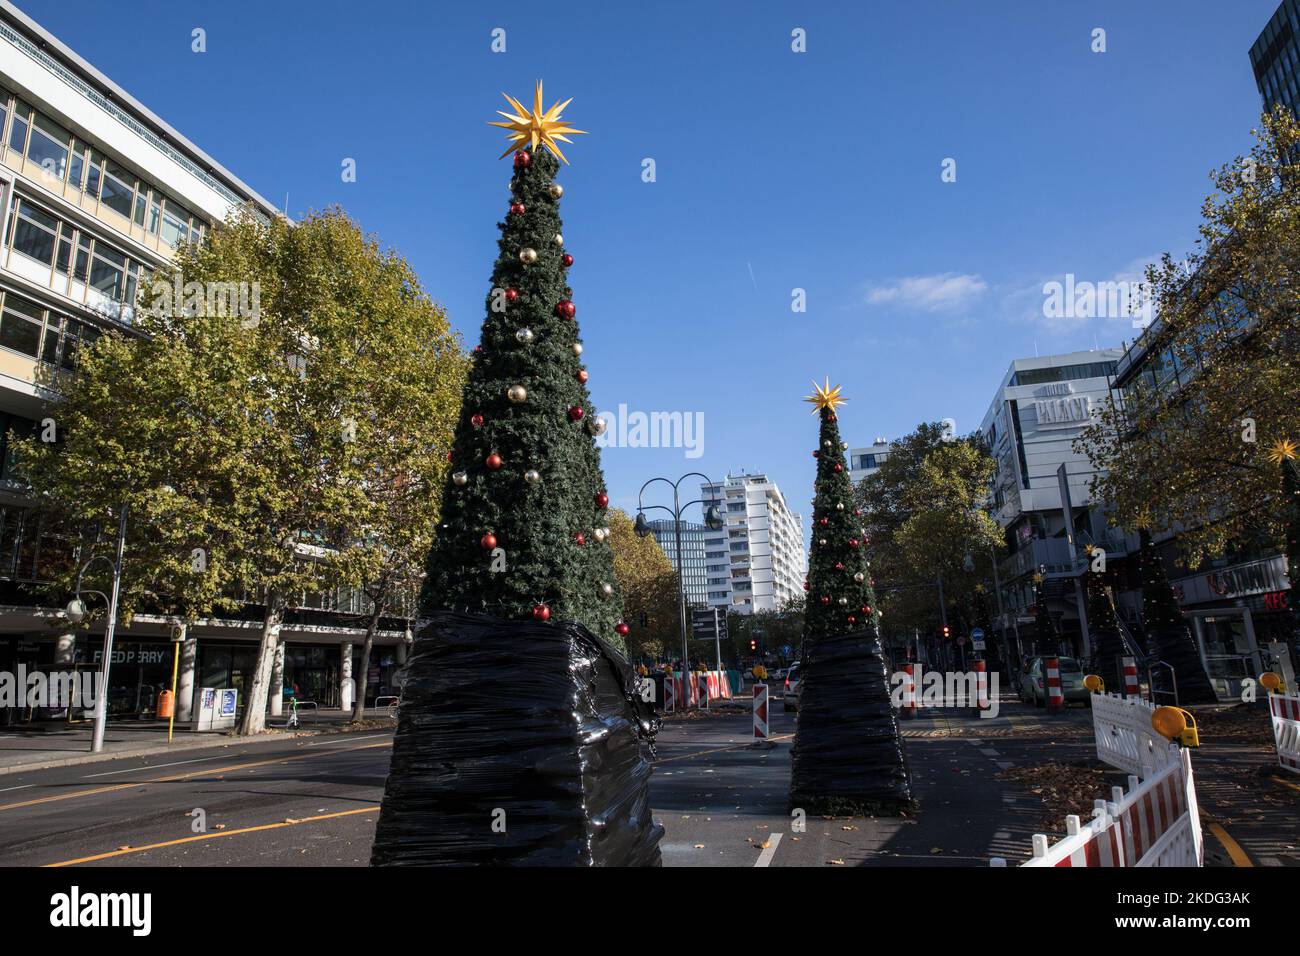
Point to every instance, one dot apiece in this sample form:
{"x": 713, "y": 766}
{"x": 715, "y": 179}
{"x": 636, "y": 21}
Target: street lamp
{"x": 76, "y": 613}
{"x": 712, "y": 519}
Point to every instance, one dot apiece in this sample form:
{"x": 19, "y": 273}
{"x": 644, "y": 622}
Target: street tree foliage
{"x": 649, "y": 584}
{"x": 269, "y": 454}
{"x": 925, "y": 512}
{"x": 525, "y": 512}
{"x": 1194, "y": 446}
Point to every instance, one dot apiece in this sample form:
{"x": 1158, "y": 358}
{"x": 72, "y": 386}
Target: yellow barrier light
{"x": 1271, "y": 682}
{"x": 1094, "y": 683}
{"x": 1176, "y": 725}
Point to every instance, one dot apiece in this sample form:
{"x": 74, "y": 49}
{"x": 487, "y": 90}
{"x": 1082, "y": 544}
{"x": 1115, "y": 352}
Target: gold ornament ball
{"x": 607, "y": 590}
{"x": 859, "y": 577}
{"x": 559, "y": 239}
{"x": 577, "y": 348}
{"x": 821, "y": 541}
{"x": 517, "y": 394}
{"x": 460, "y": 479}
{"x": 532, "y": 476}
{"x": 528, "y": 255}
{"x": 839, "y": 506}
{"x": 556, "y": 190}
{"x": 600, "y": 534}
{"x": 844, "y": 602}
{"x": 597, "y": 425}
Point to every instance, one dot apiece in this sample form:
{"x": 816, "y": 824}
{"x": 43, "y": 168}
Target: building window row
{"x": 32, "y": 330}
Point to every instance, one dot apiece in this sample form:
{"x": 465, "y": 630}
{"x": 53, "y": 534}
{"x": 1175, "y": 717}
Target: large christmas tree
{"x": 520, "y": 738}
{"x": 1283, "y": 454}
{"x": 524, "y": 514}
{"x": 847, "y": 755}
{"x": 1108, "y": 644}
{"x": 1169, "y": 639}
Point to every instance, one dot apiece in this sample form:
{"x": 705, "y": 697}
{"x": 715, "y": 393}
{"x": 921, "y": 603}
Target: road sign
{"x": 977, "y": 638}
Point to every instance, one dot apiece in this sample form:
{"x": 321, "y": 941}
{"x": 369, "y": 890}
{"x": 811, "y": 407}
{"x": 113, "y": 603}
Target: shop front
{"x": 139, "y": 671}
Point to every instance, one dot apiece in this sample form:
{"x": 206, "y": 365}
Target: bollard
{"x": 702, "y": 682}
{"x": 981, "y": 687}
{"x": 1052, "y": 685}
{"x": 670, "y": 693}
{"x": 760, "y": 712}
{"x": 909, "y": 692}
{"x": 1130, "y": 677}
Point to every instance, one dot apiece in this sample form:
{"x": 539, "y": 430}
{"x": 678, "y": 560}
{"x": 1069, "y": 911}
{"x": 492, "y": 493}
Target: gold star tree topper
{"x": 825, "y": 398}
{"x": 537, "y": 126}
{"x": 1283, "y": 449}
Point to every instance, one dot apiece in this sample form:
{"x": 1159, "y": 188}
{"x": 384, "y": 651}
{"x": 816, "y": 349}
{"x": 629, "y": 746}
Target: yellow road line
{"x": 185, "y": 776}
{"x": 1285, "y": 783}
{"x": 697, "y": 753}
{"x": 212, "y": 836}
{"x": 1235, "y": 852}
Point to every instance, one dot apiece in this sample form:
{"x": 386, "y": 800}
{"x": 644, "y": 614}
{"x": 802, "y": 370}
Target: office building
{"x": 1275, "y": 58}
{"x": 694, "y": 576}
{"x": 757, "y": 561}
{"x": 866, "y": 461}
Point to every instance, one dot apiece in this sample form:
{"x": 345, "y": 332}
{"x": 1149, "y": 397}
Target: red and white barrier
{"x": 908, "y": 709}
{"x": 1156, "y": 823}
{"x": 1285, "y": 711}
{"x": 1052, "y": 685}
{"x": 702, "y": 689}
{"x": 981, "y": 685}
{"x": 760, "y": 712}
{"x": 1124, "y": 735}
{"x": 670, "y": 693}
{"x": 1130, "y": 677}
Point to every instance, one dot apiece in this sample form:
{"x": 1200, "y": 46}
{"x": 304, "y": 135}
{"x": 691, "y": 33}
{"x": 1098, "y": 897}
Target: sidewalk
{"x": 41, "y": 746}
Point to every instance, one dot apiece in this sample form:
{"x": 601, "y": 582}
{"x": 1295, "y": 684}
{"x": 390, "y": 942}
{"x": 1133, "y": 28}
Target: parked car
{"x": 1032, "y": 682}
{"x": 791, "y": 688}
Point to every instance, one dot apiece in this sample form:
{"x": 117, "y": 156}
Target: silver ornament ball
{"x": 525, "y": 336}
{"x": 517, "y": 394}
{"x": 532, "y": 476}
{"x": 528, "y": 255}
{"x": 556, "y": 190}
{"x": 597, "y": 425}
{"x": 559, "y": 239}
{"x": 859, "y": 577}
{"x": 577, "y": 348}
{"x": 460, "y": 479}
{"x": 607, "y": 590}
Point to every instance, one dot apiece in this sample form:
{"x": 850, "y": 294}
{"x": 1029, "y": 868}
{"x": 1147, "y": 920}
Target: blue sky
{"x": 775, "y": 170}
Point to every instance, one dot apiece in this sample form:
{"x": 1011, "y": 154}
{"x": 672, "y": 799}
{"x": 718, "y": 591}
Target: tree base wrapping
{"x": 519, "y": 743}
{"x": 847, "y": 756}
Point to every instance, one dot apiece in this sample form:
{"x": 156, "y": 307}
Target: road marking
{"x": 765, "y": 858}
{"x": 366, "y": 737}
{"x": 212, "y": 836}
{"x": 716, "y": 750}
{"x": 179, "y": 777}
{"x": 153, "y": 766}
{"x": 23, "y": 787}
{"x": 989, "y": 752}
{"x": 1235, "y": 852}
{"x": 1285, "y": 783}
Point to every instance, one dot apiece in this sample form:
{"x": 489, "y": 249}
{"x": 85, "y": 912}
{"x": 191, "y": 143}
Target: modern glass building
{"x": 694, "y": 576}
{"x": 1276, "y": 60}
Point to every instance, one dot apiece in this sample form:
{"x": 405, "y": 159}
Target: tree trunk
{"x": 359, "y": 705}
{"x": 254, "y": 721}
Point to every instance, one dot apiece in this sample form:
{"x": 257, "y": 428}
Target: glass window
{"x": 77, "y": 164}
{"x": 155, "y": 214}
{"x": 20, "y": 325}
{"x": 49, "y": 146}
{"x": 34, "y": 233}
{"x": 106, "y": 267}
{"x": 140, "y": 201}
{"x": 93, "y": 174}
{"x": 50, "y": 348}
{"x": 18, "y": 132}
{"x": 118, "y": 190}
{"x": 83, "y": 259}
{"x": 64, "y": 260}
{"x": 4, "y": 110}
{"x": 174, "y": 228}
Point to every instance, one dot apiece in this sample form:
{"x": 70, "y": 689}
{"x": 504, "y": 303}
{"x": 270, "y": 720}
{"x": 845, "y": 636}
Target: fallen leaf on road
{"x": 848, "y": 828}
{"x": 699, "y": 846}
{"x": 765, "y": 844}
{"x": 835, "y": 862}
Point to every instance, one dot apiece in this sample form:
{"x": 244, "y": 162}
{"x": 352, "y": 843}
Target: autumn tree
{"x": 649, "y": 585}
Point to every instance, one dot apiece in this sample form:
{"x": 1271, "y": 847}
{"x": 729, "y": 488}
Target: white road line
{"x": 989, "y": 752}
{"x": 765, "y": 858}
{"x": 1005, "y": 765}
{"x": 23, "y": 787}
{"x": 347, "y": 740}
{"x": 152, "y": 766}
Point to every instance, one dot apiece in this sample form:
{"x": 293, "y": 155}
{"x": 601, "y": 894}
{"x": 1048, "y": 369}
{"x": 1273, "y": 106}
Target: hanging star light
{"x": 825, "y": 397}
{"x": 1284, "y": 449}
{"x": 535, "y": 126}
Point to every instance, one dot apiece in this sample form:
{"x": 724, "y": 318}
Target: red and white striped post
{"x": 981, "y": 687}
{"x": 760, "y": 712}
{"x": 1052, "y": 685}
{"x": 670, "y": 693}
{"x": 702, "y": 682}
{"x": 909, "y": 691}
{"x": 1130, "y": 676}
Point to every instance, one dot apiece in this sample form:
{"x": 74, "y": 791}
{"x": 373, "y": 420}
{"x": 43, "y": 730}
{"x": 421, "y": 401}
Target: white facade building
{"x": 757, "y": 561}
{"x": 867, "y": 460}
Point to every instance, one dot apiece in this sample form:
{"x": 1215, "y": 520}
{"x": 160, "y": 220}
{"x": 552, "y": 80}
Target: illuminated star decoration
{"x": 1284, "y": 449}
{"x": 536, "y": 126}
{"x": 825, "y": 398}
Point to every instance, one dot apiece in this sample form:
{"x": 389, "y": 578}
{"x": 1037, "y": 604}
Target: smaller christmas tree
{"x": 1169, "y": 639}
{"x": 1283, "y": 454}
{"x": 1108, "y": 644}
{"x": 1047, "y": 640}
{"x": 847, "y": 755}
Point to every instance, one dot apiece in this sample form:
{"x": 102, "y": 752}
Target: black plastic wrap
{"x": 847, "y": 756}
{"x": 536, "y": 728}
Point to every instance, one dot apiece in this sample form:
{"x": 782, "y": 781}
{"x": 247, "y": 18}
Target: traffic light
{"x": 753, "y": 644}
{"x": 947, "y": 632}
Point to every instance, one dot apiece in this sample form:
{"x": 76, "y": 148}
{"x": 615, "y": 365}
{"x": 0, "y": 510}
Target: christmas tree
{"x": 1283, "y": 453}
{"x": 524, "y": 529}
{"x": 847, "y": 755}
{"x": 1108, "y": 644}
{"x": 521, "y": 729}
{"x": 1047, "y": 641}
{"x": 1169, "y": 639}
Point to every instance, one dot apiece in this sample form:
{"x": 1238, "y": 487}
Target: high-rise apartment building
{"x": 757, "y": 561}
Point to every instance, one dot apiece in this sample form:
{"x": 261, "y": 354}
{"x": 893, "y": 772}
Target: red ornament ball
{"x": 516, "y": 209}
{"x": 852, "y": 619}
{"x": 583, "y": 376}
{"x": 494, "y": 461}
{"x": 523, "y": 159}
{"x": 853, "y": 542}
{"x": 579, "y": 538}
{"x": 575, "y": 413}
{"x": 826, "y": 599}
{"x": 806, "y": 587}
{"x": 621, "y": 629}
{"x": 866, "y": 609}
{"x": 567, "y": 260}
{"x": 541, "y": 612}
{"x": 565, "y": 309}
{"x": 839, "y": 467}
{"x": 602, "y": 500}
{"x": 488, "y": 541}
{"x": 512, "y": 295}
{"x": 476, "y": 420}
{"x": 838, "y": 566}
{"x": 824, "y": 522}
{"x": 817, "y": 454}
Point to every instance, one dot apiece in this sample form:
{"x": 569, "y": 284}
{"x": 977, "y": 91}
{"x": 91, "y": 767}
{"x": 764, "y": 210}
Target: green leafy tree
{"x": 524, "y": 517}
{"x": 1184, "y": 450}
{"x": 251, "y": 446}
{"x": 648, "y": 583}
